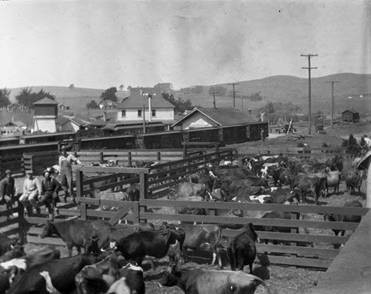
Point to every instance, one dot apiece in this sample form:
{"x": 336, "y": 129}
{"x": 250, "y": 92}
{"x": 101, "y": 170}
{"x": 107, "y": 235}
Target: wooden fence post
{"x": 158, "y": 155}
{"x": 142, "y": 186}
{"x": 142, "y": 193}
{"x": 79, "y": 183}
{"x": 101, "y": 157}
{"x": 22, "y": 230}
{"x": 83, "y": 212}
{"x": 130, "y": 163}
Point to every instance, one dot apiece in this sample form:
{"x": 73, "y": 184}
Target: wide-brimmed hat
{"x": 8, "y": 172}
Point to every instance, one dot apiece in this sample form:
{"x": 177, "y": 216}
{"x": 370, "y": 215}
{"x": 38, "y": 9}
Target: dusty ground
{"x": 283, "y": 280}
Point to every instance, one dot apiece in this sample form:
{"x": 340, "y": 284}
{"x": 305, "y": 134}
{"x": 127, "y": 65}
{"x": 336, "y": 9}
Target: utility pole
{"x": 144, "y": 118}
{"x": 309, "y": 68}
{"x": 332, "y": 100}
{"x": 214, "y": 101}
{"x": 234, "y": 94}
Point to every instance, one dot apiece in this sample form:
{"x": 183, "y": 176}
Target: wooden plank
{"x": 263, "y": 235}
{"x": 303, "y": 262}
{"x": 259, "y": 207}
{"x": 299, "y": 250}
{"x": 115, "y": 203}
{"x": 124, "y": 170}
{"x": 45, "y": 241}
{"x": 256, "y": 221}
{"x": 100, "y": 213}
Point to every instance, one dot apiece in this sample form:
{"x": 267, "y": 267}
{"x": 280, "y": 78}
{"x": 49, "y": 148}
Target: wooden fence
{"x": 153, "y": 182}
{"x": 309, "y": 244}
{"x": 127, "y": 157}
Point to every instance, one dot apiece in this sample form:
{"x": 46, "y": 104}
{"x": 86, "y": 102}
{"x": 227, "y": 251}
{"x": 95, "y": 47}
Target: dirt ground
{"x": 282, "y": 280}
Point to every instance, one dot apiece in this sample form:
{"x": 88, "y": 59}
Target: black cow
{"x": 242, "y": 250}
{"x": 78, "y": 233}
{"x": 152, "y": 243}
{"x": 201, "y": 281}
{"x": 62, "y": 272}
{"x": 97, "y": 278}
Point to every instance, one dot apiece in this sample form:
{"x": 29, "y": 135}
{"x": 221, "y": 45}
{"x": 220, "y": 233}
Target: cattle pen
{"x": 308, "y": 243}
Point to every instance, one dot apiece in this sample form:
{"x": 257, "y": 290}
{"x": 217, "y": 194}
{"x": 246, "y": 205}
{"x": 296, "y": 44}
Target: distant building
{"x": 201, "y": 117}
{"x": 155, "y": 108}
{"x": 350, "y": 116}
{"x": 12, "y": 128}
{"x": 45, "y": 115}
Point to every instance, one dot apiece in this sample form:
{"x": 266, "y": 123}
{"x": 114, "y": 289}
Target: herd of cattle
{"x": 113, "y": 255}
{"x": 112, "y": 259}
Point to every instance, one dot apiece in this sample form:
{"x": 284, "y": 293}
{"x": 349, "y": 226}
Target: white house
{"x": 151, "y": 108}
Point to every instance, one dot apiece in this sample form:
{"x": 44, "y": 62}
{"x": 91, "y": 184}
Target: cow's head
{"x": 49, "y": 230}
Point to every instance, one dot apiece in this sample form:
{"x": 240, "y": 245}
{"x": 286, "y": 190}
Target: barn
{"x": 350, "y": 116}
{"x": 201, "y": 117}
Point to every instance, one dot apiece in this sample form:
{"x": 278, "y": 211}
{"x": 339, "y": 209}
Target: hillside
{"x": 295, "y": 90}
{"x": 76, "y": 98}
{"x": 274, "y": 89}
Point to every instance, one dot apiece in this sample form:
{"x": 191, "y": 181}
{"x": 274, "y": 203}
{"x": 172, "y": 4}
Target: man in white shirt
{"x": 31, "y": 189}
{"x": 65, "y": 165}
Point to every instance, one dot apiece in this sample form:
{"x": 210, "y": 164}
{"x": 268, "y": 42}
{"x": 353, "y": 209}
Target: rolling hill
{"x": 274, "y": 89}
{"x": 295, "y": 90}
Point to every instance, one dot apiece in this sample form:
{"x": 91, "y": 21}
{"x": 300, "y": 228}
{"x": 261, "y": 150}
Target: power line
{"x": 234, "y": 94}
{"x": 309, "y": 68}
{"x": 332, "y": 100}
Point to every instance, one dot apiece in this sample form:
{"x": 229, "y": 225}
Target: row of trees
{"x": 26, "y": 97}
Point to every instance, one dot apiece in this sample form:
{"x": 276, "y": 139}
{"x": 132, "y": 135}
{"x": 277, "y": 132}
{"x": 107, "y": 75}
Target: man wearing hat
{"x": 65, "y": 167}
{"x": 48, "y": 195}
{"x": 7, "y": 189}
{"x": 31, "y": 188}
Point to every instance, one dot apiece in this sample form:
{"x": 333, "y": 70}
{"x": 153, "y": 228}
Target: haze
{"x": 106, "y": 43}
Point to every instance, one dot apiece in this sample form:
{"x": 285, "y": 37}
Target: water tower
{"x": 45, "y": 115}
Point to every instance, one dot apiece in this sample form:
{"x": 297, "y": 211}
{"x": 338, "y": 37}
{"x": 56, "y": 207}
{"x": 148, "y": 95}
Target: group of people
{"x": 36, "y": 193}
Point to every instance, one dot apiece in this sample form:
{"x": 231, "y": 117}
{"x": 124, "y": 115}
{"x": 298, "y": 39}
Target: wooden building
{"x": 350, "y": 116}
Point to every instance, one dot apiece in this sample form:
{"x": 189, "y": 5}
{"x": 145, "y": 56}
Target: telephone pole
{"x": 309, "y": 68}
{"x": 234, "y": 94}
{"x": 332, "y": 100}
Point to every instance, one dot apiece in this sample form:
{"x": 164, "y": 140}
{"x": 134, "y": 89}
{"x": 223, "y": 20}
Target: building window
{"x": 123, "y": 113}
{"x": 153, "y": 112}
{"x": 139, "y": 112}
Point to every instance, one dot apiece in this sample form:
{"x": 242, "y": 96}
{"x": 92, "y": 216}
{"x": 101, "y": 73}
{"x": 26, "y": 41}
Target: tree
{"x": 4, "y": 97}
{"x": 180, "y": 105}
{"x": 109, "y": 94}
{"x": 92, "y": 105}
{"x": 121, "y": 87}
{"x": 26, "y": 97}
{"x": 71, "y": 86}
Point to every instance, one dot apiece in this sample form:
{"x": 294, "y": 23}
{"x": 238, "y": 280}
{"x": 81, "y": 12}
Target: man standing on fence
{"x": 65, "y": 166}
{"x": 7, "y": 190}
{"x": 48, "y": 195}
{"x": 31, "y": 190}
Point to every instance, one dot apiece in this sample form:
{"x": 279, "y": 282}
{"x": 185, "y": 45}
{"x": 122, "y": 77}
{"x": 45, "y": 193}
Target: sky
{"x": 105, "y": 43}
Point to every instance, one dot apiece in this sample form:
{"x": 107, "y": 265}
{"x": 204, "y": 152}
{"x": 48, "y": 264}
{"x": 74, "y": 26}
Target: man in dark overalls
{"x": 48, "y": 197}
{"x": 7, "y": 190}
